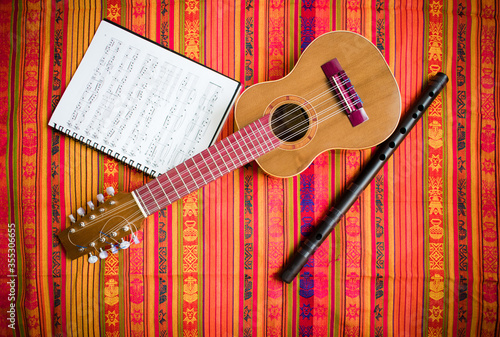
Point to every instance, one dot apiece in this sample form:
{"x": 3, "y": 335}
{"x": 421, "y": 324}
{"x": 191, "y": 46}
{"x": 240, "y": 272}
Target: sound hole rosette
{"x": 299, "y": 106}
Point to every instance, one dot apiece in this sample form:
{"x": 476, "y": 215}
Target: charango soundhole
{"x": 293, "y": 120}
{"x": 290, "y": 122}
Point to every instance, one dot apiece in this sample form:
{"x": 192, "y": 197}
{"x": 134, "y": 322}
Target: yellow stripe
{"x": 473, "y": 228}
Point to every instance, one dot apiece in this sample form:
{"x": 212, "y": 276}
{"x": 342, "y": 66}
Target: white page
{"x": 142, "y": 103}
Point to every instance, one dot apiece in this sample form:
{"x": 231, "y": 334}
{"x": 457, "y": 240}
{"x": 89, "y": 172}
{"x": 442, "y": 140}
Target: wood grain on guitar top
{"x": 371, "y": 78}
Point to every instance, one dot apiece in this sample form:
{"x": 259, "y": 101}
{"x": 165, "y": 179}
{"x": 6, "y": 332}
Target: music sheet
{"x": 142, "y": 103}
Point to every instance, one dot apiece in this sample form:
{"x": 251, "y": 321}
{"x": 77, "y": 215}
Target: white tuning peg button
{"x": 103, "y": 254}
{"x": 100, "y": 198}
{"x": 91, "y": 205}
{"x": 110, "y": 190}
{"x": 72, "y": 218}
{"x": 80, "y": 211}
{"x": 92, "y": 258}
{"x": 135, "y": 239}
{"x": 114, "y": 250}
{"x": 124, "y": 244}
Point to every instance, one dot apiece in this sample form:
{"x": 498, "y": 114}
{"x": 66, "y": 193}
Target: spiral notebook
{"x": 142, "y": 103}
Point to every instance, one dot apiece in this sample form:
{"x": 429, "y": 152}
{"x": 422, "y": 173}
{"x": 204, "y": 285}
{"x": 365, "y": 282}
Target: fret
{"x": 170, "y": 182}
{"x": 165, "y": 193}
{"x": 221, "y": 157}
{"x": 189, "y": 171}
{"x": 236, "y": 153}
{"x": 228, "y": 154}
{"x": 245, "y": 143}
{"x": 215, "y": 163}
{"x": 152, "y": 195}
{"x": 260, "y": 130}
{"x": 201, "y": 174}
{"x": 254, "y": 138}
{"x": 182, "y": 180}
{"x": 270, "y": 141}
{"x": 209, "y": 170}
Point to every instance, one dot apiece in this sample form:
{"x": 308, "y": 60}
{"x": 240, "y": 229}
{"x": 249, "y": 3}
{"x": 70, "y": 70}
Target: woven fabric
{"x": 416, "y": 255}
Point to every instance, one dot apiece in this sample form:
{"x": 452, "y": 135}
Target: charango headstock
{"x": 106, "y": 227}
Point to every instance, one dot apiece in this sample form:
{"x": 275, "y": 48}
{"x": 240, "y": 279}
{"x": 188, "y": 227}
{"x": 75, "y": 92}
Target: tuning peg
{"x": 72, "y": 218}
{"x": 103, "y": 254}
{"x": 124, "y": 244}
{"x": 135, "y": 238}
{"x": 80, "y": 211}
{"x": 100, "y": 198}
{"x": 114, "y": 250}
{"x": 91, "y": 205}
{"x": 92, "y": 258}
{"x": 110, "y": 190}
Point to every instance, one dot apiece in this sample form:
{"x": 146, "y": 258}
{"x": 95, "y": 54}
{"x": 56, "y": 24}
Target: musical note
{"x": 143, "y": 101}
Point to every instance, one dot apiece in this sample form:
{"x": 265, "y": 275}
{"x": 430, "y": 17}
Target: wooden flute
{"x": 384, "y": 151}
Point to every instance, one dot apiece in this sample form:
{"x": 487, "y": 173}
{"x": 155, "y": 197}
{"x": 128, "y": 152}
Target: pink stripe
{"x": 374, "y": 29}
{"x": 386, "y": 201}
{"x": 456, "y": 252}
{"x": 63, "y": 213}
{"x": 170, "y": 27}
{"x": 387, "y": 29}
{"x": 242, "y": 251}
{"x": 332, "y": 242}
{"x": 256, "y": 43}
{"x": 170, "y": 278}
{"x": 386, "y": 264}
{"x": 373, "y": 298}
{"x": 209, "y": 286}
{"x": 296, "y": 38}
{"x": 255, "y": 253}
{"x": 156, "y": 280}
{"x": 296, "y": 235}
{"x": 242, "y": 46}
{"x": 229, "y": 239}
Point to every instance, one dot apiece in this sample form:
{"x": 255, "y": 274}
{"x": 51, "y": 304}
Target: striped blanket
{"x": 416, "y": 255}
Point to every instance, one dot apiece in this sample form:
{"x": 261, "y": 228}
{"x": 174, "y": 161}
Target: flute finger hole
{"x": 318, "y": 236}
